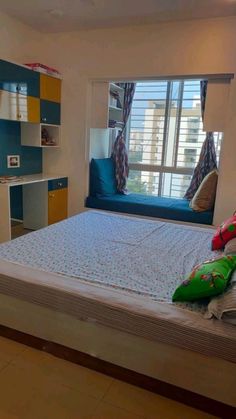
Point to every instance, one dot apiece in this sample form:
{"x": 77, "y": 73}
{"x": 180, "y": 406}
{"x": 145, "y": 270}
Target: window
{"x": 165, "y": 136}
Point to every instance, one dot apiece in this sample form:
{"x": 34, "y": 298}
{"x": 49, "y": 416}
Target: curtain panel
{"x": 207, "y": 159}
{"x": 119, "y": 151}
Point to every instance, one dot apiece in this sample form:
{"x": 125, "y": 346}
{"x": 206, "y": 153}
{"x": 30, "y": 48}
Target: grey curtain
{"x": 119, "y": 152}
{"x": 207, "y": 159}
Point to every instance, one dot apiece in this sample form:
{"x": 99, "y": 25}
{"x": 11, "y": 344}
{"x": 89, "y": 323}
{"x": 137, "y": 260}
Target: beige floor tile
{"x": 4, "y": 361}
{"x": 107, "y": 411}
{"x": 9, "y": 349}
{"x": 15, "y": 390}
{"x": 79, "y": 378}
{"x": 36, "y": 385}
{"x": 151, "y": 406}
{"x": 30, "y": 357}
{"x": 6, "y": 415}
{"x": 29, "y": 393}
{"x": 65, "y": 373}
{"x": 59, "y": 402}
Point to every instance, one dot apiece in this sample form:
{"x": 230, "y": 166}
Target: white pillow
{"x": 230, "y": 247}
{"x": 223, "y": 307}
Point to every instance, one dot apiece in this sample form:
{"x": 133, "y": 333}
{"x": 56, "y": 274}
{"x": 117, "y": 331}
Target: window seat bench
{"x": 151, "y": 206}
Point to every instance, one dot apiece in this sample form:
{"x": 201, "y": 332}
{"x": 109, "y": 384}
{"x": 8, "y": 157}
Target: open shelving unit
{"x": 40, "y": 135}
{"x": 106, "y": 117}
{"x": 107, "y": 105}
{"x": 116, "y": 103}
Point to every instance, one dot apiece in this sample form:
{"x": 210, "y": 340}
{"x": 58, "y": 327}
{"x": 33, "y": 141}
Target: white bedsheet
{"x": 85, "y": 265}
{"x": 149, "y": 258}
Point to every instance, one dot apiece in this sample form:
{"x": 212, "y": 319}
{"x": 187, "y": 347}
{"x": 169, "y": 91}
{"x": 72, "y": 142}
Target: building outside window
{"x": 165, "y": 137}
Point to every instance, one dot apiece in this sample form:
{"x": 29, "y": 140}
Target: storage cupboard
{"x": 57, "y": 200}
{"x": 18, "y": 79}
{"x": 29, "y": 96}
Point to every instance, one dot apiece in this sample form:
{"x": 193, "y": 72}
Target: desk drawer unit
{"x": 57, "y": 200}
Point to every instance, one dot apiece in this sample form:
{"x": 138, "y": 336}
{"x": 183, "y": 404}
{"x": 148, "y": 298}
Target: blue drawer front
{"x": 57, "y": 184}
{"x": 50, "y": 112}
{"x": 17, "y": 79}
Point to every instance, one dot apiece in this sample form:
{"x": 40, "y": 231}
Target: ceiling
{"x": 69, "y": 15}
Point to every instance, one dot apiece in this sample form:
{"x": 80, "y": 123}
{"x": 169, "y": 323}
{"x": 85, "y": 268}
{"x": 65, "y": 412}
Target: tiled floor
{"x": 35, "y": 385}
{"x": 17, "y": 230}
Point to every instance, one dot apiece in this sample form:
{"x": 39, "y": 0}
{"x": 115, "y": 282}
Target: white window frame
{"x": 162, "y": 169}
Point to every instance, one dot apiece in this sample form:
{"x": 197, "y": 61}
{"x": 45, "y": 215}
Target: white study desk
{"x": 35, "y": 202}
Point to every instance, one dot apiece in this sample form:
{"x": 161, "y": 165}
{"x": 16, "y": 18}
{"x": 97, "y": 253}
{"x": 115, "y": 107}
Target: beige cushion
{"x": 224, "y": 306}
{"x": 230, "y": 247}
{"x": 204, "y": 198}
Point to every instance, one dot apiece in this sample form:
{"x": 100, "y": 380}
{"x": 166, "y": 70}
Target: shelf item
{"x": 115, "y": 106}
{"x": 115, "y": 88}
{"x": 42, "y": 68}
{"x": 115, "y": 124}
{"x": 115, "y": 99}
{"x": 7, "y": 179}
{"x": 40, "y": 135}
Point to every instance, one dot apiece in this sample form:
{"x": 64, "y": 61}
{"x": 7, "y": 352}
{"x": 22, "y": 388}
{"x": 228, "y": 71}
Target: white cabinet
{"x": 216, "y": 107}
{"x": 116, "y": 104}
{"x": 17, "y": 107}
{"x": 40, "y": 135}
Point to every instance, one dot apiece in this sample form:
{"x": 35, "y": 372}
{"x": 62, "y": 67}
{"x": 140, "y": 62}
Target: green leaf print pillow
{"x": 206, "y": 280}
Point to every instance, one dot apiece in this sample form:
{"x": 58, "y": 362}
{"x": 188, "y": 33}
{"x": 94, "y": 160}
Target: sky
{"x": 156, "y": 90}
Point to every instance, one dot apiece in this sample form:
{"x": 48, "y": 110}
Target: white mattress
{"x": 148, "y": 258}
{"x": 129, "y": 266}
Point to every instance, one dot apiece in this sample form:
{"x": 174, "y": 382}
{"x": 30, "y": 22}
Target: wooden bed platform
{"x": 205, "y": 383}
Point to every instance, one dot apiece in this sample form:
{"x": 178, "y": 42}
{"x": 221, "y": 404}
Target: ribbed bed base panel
{"x": 178, "y": 369}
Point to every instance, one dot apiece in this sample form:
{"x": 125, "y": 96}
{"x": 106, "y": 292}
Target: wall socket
{"x": 13, "y": 161}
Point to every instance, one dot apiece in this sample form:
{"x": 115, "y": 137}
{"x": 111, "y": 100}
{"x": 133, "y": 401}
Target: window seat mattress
{"x": 151, "y": 206}
{"x": 120, "y": 272}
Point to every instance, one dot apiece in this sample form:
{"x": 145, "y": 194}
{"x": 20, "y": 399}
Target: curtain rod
{"x": 220, "y": 76}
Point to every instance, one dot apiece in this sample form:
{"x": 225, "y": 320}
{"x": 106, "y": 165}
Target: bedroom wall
{"x": 17, "y": 40}
{"x": 193, "y": 47}
{"x": 17, "y": 43}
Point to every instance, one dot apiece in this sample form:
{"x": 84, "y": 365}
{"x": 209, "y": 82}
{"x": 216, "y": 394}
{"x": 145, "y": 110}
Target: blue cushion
{"x": 102, "y": 177}
{"x": 152, "y": 206}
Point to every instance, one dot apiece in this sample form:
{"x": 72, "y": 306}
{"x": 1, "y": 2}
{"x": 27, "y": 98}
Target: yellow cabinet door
{"x": 33, "y": 109}
{"x": 50, "y": 88}
{"x": 57, "y": 205}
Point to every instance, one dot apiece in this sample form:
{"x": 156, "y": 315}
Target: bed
{"x": 101, "y": 283}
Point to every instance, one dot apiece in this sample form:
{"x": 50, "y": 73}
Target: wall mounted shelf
{"x": 35, "y": 135}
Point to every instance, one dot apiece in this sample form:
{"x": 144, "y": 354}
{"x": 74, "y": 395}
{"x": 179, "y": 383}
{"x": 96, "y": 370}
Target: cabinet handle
{"x": 43, "y": 119}
{"x": 19, "y": 116}
{"x": 59, "y": 184}
{"x": 51, "y": 195}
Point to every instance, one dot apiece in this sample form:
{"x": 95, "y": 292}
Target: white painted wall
{"x": 17, "y": 40}
{"x": 169, "y": 49}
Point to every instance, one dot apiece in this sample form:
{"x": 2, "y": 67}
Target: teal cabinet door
{"x": 17, "y": 79}
{"x": 50, "y": 112}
